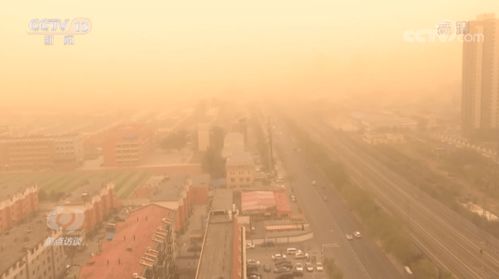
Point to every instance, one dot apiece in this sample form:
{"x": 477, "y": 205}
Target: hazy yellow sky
{"x": 150, "y": 50}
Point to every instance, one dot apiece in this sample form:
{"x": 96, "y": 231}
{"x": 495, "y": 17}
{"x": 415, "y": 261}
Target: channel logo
{"x": 66, "y": 218}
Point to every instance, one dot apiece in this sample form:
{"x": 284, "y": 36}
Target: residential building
{"x": 16, "y": 205}
{"x": 176, "y": 192}
{"x": 28, "y": 251}
{"x": 126, "y": 145}
{"x": 40, "y": 151}
{"x": 88, "y": 206}
{"x": 480, "y": 78}
{"x": 142, "y": 247}
{"x": 239, "y": 170}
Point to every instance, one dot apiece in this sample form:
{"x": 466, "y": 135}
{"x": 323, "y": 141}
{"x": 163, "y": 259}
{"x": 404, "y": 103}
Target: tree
{"x": 212, "y": 161}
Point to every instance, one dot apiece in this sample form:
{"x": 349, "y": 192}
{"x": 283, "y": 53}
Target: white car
{"x": 309, "y": 267}
{"x": 319, "y": 267}
{"x": 357, "y": 234}
{"x": 349, "y": 236}
{"x": 250, "y": 245}
{"x": 291, "y": 251}
{"x": 253, "y": 262}
{"x": 300, "y": 255}
{"x": 299, "y": 267}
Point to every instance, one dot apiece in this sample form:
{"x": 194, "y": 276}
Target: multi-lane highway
{"x": 446, "y": 237}
{"x": 329, "y": 217}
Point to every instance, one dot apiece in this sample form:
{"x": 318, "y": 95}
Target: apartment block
{"x": 143, "y": 247}
{"x": 126, "y": 145}
{"x": 26, "y": 252}
{"x": 37, "y": 152}
{"x": 176, "y": 192}
{"x": 88, "y": 207}
{"x": 16, "y": 205}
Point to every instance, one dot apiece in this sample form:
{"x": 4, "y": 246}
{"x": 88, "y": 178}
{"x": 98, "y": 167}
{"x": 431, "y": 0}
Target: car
{"x": 349, "y": 236}
{"x": 254, "y": 276}
{"x": 253, "y": 262}
{"x": 309, "y": 267}
{"x": 287, "y": 264}
{"x": 291, "y": 251}
{"x": 319, "y": 267}
{"x": 314, "y": 182}
{"x": 357, "y": 234}
{"x": 299, "y": 267}
{"x": 250, "y": 245}
{"x": 267, "y": 268}
{"x": 293, "y": 198}
{"x": 300, "y": 255}
{"x": 278, "y": 256}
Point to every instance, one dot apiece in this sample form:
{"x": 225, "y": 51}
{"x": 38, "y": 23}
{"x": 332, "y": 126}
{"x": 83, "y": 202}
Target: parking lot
{"x": 267, "y": 267}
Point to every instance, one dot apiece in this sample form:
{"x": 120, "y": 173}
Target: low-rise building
{"x": 40, "y": 151}
{"x": 86, "y": 208}
{"x": 176, "y": 192}
{"x": 239, "y": 170}
{"x": 143, "y": 246}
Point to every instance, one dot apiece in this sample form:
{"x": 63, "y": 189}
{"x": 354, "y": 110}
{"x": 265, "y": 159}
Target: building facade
{"x": 480, "y": 78}
{"x": 28, "y": 252}
{"x": 18, "y": 207}
{"x": 126, "y": 145}
{"x": 240, "y": 170}
{"x": 88, "y": 207}
{"x": 40, "y": 152}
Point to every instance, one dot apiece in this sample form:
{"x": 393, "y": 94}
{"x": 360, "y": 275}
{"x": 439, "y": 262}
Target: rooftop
{"x": 8, "y": 189}
{"x": 120, "y": 258}
{"x": 216, "y": 255}
{"x": 24, "y": 236}
{"x": 222, "y": 200}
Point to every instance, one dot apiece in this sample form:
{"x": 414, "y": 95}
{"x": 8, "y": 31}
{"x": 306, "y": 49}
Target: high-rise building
{"x": 480, "y": 77}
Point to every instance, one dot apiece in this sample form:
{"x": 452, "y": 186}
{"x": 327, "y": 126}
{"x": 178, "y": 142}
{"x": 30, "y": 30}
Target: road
{"x": 446, "y": 237}
{"x": 331, "y": 220}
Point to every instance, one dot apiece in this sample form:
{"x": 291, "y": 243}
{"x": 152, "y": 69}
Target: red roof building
{"x": 142, "y": 247}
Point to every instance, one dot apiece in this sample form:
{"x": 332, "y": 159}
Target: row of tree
{"x": 389, "y": 231}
